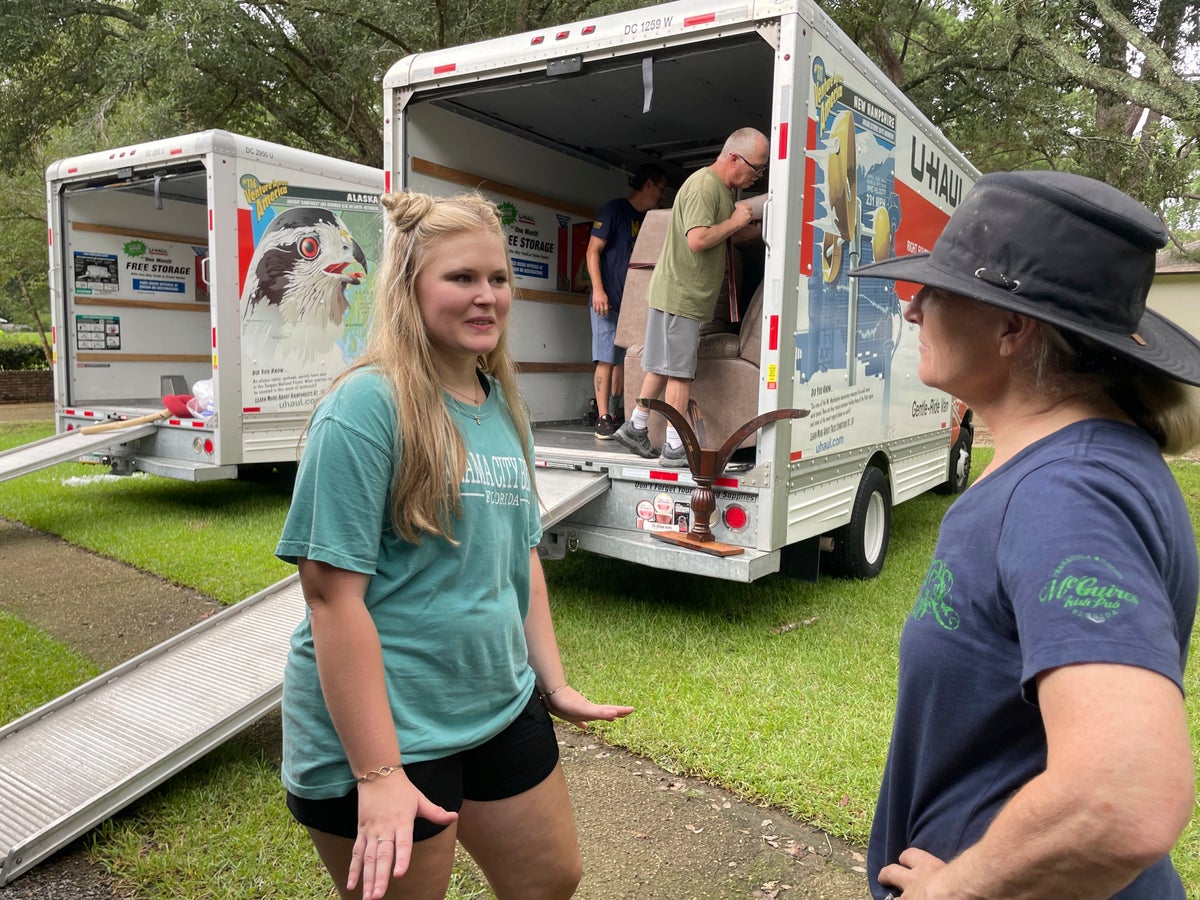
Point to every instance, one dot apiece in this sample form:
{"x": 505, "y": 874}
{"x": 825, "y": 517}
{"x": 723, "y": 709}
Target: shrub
{"x": 21, "y": 356}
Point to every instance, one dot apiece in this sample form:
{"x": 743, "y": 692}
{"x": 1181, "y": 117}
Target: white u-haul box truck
{"x": 550, "y": 123}
{"x": 212, "y": 285}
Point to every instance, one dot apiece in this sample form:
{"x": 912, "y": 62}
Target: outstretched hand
{"x": 571, "y": 706}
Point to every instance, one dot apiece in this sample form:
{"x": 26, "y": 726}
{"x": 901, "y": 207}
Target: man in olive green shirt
{"x": 683, "y": 291}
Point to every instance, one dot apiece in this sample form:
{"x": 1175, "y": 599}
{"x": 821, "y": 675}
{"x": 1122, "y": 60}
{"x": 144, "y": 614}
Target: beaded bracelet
{"x": 381, "y": 772}
{"x": 546, "y": 696}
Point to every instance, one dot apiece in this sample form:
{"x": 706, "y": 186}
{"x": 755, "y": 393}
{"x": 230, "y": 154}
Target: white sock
{"x": 674, "y": 441}
{"x": 640, "y": 417}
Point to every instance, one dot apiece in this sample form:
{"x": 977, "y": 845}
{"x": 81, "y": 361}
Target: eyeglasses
{"x": 758, "y": 170}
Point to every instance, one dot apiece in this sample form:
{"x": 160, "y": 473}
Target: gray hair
{"x": 744, "y": 141}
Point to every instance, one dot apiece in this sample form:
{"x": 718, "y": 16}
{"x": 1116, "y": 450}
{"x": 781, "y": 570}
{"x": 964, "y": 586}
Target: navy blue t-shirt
{"x": 1079, "y": 549}
{"x": 617, "y": 225}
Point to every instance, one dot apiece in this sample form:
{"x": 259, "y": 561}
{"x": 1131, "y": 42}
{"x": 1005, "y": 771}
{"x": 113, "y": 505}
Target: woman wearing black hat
{"x": 1040, "y": 746}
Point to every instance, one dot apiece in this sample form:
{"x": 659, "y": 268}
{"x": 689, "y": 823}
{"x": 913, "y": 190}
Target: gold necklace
{"x": 473, "y": 399}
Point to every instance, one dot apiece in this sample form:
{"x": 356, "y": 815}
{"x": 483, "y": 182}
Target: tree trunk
{"x": 37, "y": 319}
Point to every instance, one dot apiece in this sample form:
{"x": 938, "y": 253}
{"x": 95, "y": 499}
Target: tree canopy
{"x": 306, "y": 73}
{"x": 1109, "y": 88}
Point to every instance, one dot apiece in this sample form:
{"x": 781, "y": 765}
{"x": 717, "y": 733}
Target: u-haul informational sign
{"x": 308, "y": 256}
{"x": 133, "y": 268}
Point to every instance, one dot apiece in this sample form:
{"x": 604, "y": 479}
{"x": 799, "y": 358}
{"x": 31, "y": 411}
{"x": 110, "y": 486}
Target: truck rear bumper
{"x": 646, "y": 550}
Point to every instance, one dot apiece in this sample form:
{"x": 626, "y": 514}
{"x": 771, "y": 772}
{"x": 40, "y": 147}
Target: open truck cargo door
{"x": 208, "y": 260}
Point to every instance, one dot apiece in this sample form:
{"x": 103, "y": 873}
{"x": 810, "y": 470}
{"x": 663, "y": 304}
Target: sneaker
{"x": 636, "y": 440}
{"x": 605, "y": 428}
{"x": 618, "y": 420}
{"x": 673, "y": 457}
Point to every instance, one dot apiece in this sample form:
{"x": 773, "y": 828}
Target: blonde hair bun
{"x": 406, "y": 209}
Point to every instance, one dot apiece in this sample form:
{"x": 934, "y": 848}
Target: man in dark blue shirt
{"x": 611, "y": 244}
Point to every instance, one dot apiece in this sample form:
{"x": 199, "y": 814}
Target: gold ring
{"x": 380, "y": 840}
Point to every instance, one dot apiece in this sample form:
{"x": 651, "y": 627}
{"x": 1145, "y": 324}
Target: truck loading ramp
{"x": 69, "y": 765}
{"x": 66, "y": 446}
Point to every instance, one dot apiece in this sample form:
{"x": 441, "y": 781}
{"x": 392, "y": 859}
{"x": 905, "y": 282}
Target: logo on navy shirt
{"x": 1084, "y": 586}
{"x": 935, "y": 596}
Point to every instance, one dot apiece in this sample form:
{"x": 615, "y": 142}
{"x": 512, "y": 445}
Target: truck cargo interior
{"x": 673, "y": 107}
{"x": 138, "y": 204}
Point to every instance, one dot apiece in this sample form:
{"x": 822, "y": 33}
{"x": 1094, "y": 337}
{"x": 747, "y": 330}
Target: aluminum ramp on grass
{"x": 74, "y": 762}
{"x": 69, "y": 765}
{"x": 63, "y": 447}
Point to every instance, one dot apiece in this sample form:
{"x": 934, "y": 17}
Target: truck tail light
{"x": 735, "y": 517}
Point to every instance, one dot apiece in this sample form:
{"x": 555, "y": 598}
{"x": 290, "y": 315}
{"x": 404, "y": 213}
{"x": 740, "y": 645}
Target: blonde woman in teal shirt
{"x": 418, "y": 690}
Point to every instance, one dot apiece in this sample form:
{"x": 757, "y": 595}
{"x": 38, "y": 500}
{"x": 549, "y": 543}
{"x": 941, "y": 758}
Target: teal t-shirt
{"x": 686, "y": 283}
{"x": 450, "y": 618}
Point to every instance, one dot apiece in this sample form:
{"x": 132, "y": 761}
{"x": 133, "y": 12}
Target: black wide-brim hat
{"x": 1062, "y": 248}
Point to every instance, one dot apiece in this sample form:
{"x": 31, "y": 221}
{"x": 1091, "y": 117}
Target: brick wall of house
{"x": 35, "y": 386}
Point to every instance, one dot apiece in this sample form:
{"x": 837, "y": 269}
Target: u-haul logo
{"x": 931, "y": 169}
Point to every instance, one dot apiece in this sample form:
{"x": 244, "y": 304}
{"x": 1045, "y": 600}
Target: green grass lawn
{"x": 36, "y": 669}
{"x": 780, "y": 691}
{"x": 20, "y": 337}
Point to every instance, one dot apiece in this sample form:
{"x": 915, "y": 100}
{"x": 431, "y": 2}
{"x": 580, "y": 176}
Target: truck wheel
{"x": 860, "y": 546}
{"x": 960, "y": 464}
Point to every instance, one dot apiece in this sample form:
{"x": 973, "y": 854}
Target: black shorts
{"x": 517, "y": 759}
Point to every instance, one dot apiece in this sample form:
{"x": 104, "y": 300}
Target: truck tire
{"x": 860, "y": 546}
{"x": 959, "y": 473}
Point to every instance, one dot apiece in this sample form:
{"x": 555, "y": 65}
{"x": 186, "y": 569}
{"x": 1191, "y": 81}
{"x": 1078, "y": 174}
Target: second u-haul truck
{"x": 550, "y": 124}
{"x": 204, "y": 290}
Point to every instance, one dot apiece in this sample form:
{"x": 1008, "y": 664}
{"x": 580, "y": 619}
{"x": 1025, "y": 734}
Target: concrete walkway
{"x": 26, "y": 412}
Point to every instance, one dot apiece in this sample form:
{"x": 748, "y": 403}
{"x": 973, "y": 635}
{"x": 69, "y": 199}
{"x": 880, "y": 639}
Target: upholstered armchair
{"x": 727, "y": 373}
